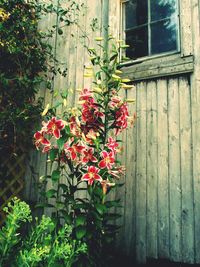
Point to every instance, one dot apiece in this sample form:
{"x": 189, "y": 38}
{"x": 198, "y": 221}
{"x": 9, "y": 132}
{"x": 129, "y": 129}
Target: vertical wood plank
{"x": 186, "y": 27}
{"x": 114, "y": 18}
{"x": 151, "y": 169}
{"x": 130, "y": 185}
{"x": 195, "y": 100}
{"x": 163, "y": 182}
{"x": 141, "y": 174}
{"x": 186, "y": 172}
{"x": 174, "y": 170}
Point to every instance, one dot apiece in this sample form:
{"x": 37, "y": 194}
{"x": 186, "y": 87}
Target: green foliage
{"x": 17, "y": 213}
{"x": 27, "y": 60}
{"x": 45, "y": 244}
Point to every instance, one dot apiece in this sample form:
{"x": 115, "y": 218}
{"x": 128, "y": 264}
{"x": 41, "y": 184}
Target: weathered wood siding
{"x": 161, "y": 196}
{"x": 163, "y": 166}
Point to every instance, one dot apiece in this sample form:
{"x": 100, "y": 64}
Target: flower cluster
{"x": 87, "y": 142}
{"x": 52, "y": 128}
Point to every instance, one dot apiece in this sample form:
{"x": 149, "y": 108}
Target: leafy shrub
{"x": 44, "y": 245}
{"x": 27, "y": 60}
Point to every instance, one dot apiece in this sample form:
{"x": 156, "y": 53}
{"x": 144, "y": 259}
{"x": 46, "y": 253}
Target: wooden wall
{"x": 162, "y": 186}
{"x": 161, "y": 196}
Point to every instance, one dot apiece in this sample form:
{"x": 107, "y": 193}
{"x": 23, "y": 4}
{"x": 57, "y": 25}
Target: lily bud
{"x": 130, "y": 100}
{"x": 88, "y": 75}
{"x": 65, "y": 102}
{"x": 126, "y": 80}
{"x": 45, "y": 110}
{"x": 99, "y": 38}
{"x": 116, "y": 77}
{"x": 118, "y": 72}
{"x": 127, "y": 86}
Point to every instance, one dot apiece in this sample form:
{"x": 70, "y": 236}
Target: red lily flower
{"x": 46, "y": 149}
{"x": 54, "y": 127}
{"x": 115, "y": 102}
{"x": 85, "y": 94}
{"x": 74, "y": 129}
{"x": 107, "y": 161}
{"x": 92, "y": 175}
{"x": 121, "y": 117}
{"x": 88, "y": 156}
{"x": 74, "y": 150}
{"x": 40, "y": 139}
{"x": 117, "y": 172}
{"x": 112, "y": 144}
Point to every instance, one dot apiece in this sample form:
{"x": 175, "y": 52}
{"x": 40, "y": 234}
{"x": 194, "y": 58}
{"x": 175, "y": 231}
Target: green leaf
{"x": 113, "y": 56}
{"x": 55, "y": 176}
{"x": 44, "y": 205}
{"x": 68, "y": 219}
{"x": 80, "y": 232}
{"x": 80, "y": 220}
{"x": 100, "y": 208}
{"x": 53, "y": 154}
{"x": 60, "y": 31}
{"x": 81, "y": 206}
{"x": 51, "y": 193}
{"x": 64, "y": 94}
{"x": 114, "y": 203}
{"x": 64, "y": 187}
{"x": 61, "y": 142}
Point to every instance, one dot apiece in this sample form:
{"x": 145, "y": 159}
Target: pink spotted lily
{"x": 54, "y": 127}
{"x": 92, "y": 175}
{"x": 107, "y": 161}
{"x": 41, "y": 140}
{"x": 88, "y": 155}
{"x": 112, "y": 144}
{"x": 74, "y": 150}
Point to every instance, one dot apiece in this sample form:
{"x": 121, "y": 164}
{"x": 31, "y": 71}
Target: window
{"x": 151, "y": 27}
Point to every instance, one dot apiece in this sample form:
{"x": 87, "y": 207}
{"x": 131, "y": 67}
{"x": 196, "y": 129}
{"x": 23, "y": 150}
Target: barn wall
{"x": 162, "y": 187}
{"x": 161, "y": 196}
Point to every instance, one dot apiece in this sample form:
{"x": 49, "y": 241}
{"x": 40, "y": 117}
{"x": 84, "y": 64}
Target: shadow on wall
{"x": 125, "y": 262}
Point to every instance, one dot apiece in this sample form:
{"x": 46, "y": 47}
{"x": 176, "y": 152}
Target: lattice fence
{"x": 12, "y": 171}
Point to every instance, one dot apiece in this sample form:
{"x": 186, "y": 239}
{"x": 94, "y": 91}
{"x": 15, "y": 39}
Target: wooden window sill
{"x": 162, "y": 66}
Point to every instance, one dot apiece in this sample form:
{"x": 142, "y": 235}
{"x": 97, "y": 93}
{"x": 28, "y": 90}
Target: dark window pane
{"x": 161, "y": 9}
{"x": 164, "y": 36}
{"x": 136, "y": 13}
{"x": 138, "y": 41}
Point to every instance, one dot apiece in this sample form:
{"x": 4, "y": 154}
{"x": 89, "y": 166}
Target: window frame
{"x": 166, "y": 63}
{"x": 150, "y": 23}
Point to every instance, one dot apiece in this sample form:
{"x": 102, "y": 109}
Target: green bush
{"x": 45, "y": 244}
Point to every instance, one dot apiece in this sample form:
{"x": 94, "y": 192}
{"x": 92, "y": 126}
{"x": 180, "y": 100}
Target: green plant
{"x": 18, "y": 212}
{"x": 83, "y": 146}
{"x": 44, "y": 245}
{"x": 27, "y": 60}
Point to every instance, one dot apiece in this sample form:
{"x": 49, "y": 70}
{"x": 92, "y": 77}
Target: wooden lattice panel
{"x": 12, "y": 172}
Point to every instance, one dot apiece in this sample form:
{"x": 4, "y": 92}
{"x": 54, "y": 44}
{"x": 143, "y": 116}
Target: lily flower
{"x": 112, "y": 144}
{"x": 54, "y": 127}
{"x": 74, "y": 150}
{"x": 41, "y": 140}
{"x": 107, "y": 161}
{"x": 89, "y": 156}
{"x": 92, "y": 175}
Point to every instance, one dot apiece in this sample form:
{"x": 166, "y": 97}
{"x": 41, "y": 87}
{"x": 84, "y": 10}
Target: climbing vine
{"x": 27, "y": 61}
